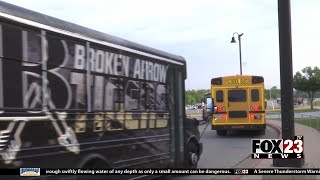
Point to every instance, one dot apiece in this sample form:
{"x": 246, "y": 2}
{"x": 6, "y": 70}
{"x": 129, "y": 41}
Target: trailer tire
{"x": 192, "y": 155}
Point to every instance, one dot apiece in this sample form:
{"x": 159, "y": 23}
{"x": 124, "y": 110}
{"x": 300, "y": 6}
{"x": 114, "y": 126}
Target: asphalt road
{"x": 225, "y": 151}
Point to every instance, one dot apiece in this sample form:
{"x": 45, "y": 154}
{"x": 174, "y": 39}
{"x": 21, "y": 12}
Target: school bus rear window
{"x": 237, "y": 96}
{"x": 219, "y": 96}
{"x": 254, "y": 95}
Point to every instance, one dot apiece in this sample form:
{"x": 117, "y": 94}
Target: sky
{"x": 201, "y": 31}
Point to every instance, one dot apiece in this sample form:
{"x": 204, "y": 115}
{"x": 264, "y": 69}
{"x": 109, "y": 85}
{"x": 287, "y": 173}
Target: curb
{"x": 258, "y": 161}
{"x": 277, "y": 128}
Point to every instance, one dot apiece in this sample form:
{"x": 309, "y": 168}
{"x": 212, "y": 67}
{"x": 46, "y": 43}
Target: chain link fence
{"x": 301, "y": 118}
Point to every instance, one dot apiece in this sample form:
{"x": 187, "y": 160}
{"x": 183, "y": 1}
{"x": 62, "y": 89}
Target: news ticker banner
{"x": 45, "y": 172}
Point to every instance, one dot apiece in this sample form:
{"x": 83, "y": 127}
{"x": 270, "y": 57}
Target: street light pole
{"x": 234, "y": 41}
{"x": 239, "y": 38}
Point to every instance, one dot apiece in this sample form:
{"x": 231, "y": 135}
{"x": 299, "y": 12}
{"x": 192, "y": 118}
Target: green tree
{"x": 267, "y": 94}
{"x": 301, "y": 94}
{"x": 274, "y": 92}
{"x": 190, "y": 99}
{"x": 308, "y": 81}
{"x": 195, "y": 96}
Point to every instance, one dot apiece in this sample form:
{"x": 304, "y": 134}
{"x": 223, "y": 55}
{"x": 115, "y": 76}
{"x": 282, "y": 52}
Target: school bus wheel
{"x": 222, "y": 132}
{"x": 261, "y": 132}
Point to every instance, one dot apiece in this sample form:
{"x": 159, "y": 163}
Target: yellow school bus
{"x": 239, "y": 102}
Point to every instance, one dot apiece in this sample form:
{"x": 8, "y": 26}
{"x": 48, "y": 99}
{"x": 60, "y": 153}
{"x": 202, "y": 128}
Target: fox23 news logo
{"x": 241, "y": 171}
{"x": 278, "y": 148}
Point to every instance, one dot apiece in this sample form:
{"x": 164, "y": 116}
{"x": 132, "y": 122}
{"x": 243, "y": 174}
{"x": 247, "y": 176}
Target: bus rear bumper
{"x": 239, "y": 127}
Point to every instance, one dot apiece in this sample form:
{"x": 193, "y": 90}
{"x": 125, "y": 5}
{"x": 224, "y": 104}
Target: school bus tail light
{"x": 255, "y": 107}
{"x": 220, "y": 116}
{"x": 220, "y": 108}
{"x": 254, "y": 116}
{"x": 257, "y": 117}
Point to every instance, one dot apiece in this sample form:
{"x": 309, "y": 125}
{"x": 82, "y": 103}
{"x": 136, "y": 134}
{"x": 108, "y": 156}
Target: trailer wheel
{"x": 222, "y": 132}
{"x": 192, "y": 155}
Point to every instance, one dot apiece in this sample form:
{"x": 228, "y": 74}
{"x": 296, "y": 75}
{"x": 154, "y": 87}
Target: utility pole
{"x": 270, "y": 93}
{"x": 286, "y": 81}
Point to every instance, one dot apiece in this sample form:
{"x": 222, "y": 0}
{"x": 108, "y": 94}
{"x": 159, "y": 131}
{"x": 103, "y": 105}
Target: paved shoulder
{"x": 311, "y": 153}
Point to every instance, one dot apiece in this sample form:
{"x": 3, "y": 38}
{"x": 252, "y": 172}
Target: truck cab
{"x": 205, "y": 112}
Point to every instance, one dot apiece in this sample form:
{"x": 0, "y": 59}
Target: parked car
{"x": 298, "y": 101}
{"x": 194, "y": 107}
{"x": 295, "y": 101}
{"x": 278, "y": 100}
